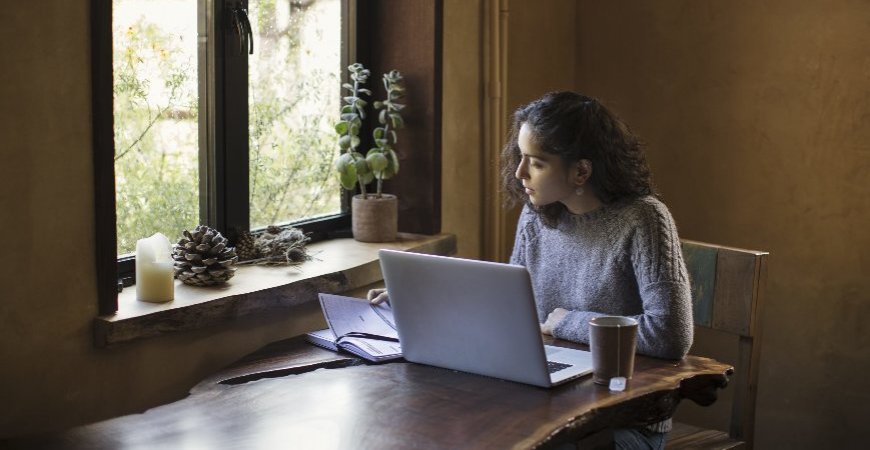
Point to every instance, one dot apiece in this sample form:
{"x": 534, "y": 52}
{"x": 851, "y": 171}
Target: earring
{"x": 579, "y": 191}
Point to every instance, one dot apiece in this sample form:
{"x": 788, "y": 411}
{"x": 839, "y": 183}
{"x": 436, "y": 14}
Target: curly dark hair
{"x": 574, "y": 127}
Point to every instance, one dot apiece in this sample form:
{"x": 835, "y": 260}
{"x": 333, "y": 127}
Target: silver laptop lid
{"x": 467, "y": 315}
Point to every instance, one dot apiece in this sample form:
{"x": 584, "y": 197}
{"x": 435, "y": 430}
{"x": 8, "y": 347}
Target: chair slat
{"x": 701, "y": 264}
{"x": 736, "y": 272}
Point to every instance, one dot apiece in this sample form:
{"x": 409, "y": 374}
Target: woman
{"x": 593, "y": 234}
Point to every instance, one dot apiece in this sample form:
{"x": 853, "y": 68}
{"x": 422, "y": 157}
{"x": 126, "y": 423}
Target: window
{"x": 239, "y": 140}
{"x": 223, "y": 115}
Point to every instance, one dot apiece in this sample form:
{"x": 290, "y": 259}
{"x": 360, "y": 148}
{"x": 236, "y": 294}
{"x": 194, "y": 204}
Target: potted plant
{"x": 374, "y": 216}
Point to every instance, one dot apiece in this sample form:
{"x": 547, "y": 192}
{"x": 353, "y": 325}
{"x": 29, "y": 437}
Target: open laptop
{"x": 474, "y": 316}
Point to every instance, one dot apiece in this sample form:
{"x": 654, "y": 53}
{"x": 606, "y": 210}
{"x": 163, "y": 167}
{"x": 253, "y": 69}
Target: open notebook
{"x": 358, "y": 327}
{"x": 474, "y": 316}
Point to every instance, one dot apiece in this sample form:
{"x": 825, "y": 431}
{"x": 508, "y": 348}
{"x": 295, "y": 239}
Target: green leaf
{"x": 348, "y": 86}
{"x": 360, "y": 103}
{"x": 378, "y": 133}
{"x": 344, "y": 142}
{"x": 367, "y": 178}
{"x": 348, "y": 116}
{"x": 341, "y": 127}
{"x": 377, "y": 161}
{"x": 382, "y": 118}
{"x": 381, "y": 142}
{"x": 379, "y": 104}
{"x": 397, "y": 120}
{"x": 347, "y": 177}
{"x": 362, "y": 167}
{"x": 347, "y": 109}
{"x": 354, "y": 141}
{"x": 395, "y": 139}
{"x": 354, "y": 129}
{"x": 350, "y": 99}
{"x": 344, "y": 160}
{"x": 393, "y": 167}
{"x": 365, "y": 91}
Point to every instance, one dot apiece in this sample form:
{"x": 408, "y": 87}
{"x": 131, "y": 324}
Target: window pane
{"x": 155, "y": 111}
{"x": 294, "y": 77}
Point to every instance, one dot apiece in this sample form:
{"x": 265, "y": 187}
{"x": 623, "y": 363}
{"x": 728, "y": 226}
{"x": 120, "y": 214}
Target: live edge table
{"x": 290, "y": 394}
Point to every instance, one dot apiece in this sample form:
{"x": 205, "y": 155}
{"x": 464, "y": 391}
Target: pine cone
{"x": 245, "y": 246}
{"x": 202, "y": 257}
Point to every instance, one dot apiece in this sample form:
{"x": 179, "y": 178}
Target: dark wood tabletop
{"x": 291, "y": 394}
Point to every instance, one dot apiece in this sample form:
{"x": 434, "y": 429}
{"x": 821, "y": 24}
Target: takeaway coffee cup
{"x": 612, "y": 341}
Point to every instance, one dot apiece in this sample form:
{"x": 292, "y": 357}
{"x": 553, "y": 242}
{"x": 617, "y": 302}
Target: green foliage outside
{"x": 156, "y": 150}
{"x": 293, "y": 93}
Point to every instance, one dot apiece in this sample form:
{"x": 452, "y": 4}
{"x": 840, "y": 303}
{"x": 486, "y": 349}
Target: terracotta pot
{"x": 375, "y": 219}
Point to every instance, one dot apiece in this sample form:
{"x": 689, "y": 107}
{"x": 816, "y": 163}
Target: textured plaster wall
{"x": 461, "y": 135}
{"x": 541, "y": 58}
{"x": 756, "y": 115}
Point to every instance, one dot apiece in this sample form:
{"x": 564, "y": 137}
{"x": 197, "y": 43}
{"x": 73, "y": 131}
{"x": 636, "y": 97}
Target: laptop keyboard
{"x": 554, "y": 367}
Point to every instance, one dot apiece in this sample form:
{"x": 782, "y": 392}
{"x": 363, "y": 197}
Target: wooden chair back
{"x": 728, "y": 287}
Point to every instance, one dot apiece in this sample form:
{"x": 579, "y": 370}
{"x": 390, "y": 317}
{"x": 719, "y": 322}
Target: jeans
{"x": 638, "y": 438}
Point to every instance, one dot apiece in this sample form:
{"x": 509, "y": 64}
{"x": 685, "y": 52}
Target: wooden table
{"x": 293, "y": 395}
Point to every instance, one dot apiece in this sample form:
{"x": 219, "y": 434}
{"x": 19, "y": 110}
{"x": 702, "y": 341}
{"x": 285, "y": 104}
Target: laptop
{"x": 474, "y": 316}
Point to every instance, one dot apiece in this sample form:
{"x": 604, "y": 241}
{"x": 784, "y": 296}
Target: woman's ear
{"x": 582, "y": 171}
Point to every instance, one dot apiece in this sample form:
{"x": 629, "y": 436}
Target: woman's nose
{"x": 521, "y": 171}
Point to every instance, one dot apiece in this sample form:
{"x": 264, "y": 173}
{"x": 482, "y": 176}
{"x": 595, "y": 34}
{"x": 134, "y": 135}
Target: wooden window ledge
{"x": 339, "y": 265}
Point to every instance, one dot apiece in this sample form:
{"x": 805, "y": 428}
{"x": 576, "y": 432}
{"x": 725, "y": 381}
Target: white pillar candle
{"x": 154, "y": 273}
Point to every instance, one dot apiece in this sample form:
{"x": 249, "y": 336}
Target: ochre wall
{"x": 540, "y": 58}
{"x": 756, "y": 116}
{"x": 51, "y": 375}
{"x": 461, "y": 135}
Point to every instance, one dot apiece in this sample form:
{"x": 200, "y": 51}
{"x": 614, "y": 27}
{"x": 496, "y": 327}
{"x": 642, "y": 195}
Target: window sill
{"x": 339, "y": 265}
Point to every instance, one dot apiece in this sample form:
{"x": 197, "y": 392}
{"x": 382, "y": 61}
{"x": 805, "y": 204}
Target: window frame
{"x": 373, "y": 27}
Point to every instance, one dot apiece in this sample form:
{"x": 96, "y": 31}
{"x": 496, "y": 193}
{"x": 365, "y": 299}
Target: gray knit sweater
{"x": 621, "y": 259}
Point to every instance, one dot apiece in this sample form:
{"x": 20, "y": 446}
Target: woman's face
{"x": 544, "y": 175}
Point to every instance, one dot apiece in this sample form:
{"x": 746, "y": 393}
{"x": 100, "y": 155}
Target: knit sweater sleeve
{"x": 665, "y": 329}
{"x": 665, "y": 325}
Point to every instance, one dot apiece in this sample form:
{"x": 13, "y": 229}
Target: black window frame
{"x": 399, "y": 43}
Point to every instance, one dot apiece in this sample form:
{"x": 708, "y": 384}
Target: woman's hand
{"x": 553, "y": 319}
{"x": 378, "y": 296}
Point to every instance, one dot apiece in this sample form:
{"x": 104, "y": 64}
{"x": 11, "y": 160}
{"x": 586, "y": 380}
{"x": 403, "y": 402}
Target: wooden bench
{"x": 727, "y": 294}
